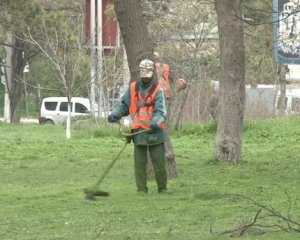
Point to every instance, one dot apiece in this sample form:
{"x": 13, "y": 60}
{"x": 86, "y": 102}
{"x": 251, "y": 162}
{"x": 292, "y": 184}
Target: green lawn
{"x": 42, "y": 176}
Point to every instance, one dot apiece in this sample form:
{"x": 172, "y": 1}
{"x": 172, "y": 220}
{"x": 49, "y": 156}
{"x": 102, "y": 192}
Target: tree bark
{"x": 232, "y": 83}
{"x": 282, "y": 101}
{"x": 181, "y": 108}
{"x": 15, "y": 76}
{"x": 137, "y": 41}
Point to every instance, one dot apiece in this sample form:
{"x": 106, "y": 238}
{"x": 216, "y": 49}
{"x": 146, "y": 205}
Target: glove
{"x": 112, "y": 118}
{"x": 128, "y": 139}
{"x": 154, "y": 126}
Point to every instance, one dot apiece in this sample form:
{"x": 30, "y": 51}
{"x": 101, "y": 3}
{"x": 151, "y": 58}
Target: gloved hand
{"x": 154, "y": 126}
{"x": 112, "y": 118}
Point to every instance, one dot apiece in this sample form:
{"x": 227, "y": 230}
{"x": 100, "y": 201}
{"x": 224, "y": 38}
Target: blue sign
{"x": 286, "y": 25}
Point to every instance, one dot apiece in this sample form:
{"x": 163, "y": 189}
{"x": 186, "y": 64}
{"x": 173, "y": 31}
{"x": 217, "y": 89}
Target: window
{"x": 50, "y": 106}
{"x": 79, "y": 108}
{"x": 64, "y": 107}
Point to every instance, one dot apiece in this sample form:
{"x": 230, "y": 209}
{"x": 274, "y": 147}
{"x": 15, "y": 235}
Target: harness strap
{"x": 145, "y": 98}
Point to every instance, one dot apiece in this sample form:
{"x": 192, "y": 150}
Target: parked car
{"x": 54, "y": 110}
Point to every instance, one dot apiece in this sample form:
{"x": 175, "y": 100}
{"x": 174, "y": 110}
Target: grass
{"x": 42, "y": 176}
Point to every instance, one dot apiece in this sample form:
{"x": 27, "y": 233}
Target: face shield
{"x": 146, "y": 68}
{"x": 146, "y": 73}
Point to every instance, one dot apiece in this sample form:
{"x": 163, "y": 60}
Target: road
{"x": 25, "y": 120}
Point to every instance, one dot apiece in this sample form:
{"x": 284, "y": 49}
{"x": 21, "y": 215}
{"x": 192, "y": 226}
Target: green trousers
{"x": 157, "y": 154}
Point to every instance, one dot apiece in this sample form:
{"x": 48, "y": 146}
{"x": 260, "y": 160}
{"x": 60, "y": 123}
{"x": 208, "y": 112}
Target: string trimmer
{"x": 92, "y": 192}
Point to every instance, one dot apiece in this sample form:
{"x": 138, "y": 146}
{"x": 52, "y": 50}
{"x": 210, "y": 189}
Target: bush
{"x": 90, "y": 128}
{"x": 196, "y": 129}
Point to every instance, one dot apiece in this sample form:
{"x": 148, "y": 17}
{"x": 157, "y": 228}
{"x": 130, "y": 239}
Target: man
{"x": 166, "y": 81}
{"x": 164, "y": 76}
{"x": 145, "y": 102}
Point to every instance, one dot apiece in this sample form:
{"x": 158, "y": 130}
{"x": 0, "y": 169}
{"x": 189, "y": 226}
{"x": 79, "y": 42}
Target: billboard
{"x": 286, "y": 22}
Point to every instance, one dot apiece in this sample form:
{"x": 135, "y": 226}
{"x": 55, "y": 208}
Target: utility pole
{"x": 6, "y": 106}
{"x": 96, "y": 55}
{"x": 25, "y": 71}
{"x": 39, "y": 94}
{"x": 3, "y": 77}
{"x": 8, "y": 77}
{"x": 93, "y": 55}
{"x": 99, "y": 56}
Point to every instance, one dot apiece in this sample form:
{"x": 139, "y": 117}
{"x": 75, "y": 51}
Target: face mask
{"x": 146, "y": 80}
{"x": 146, "y": 73}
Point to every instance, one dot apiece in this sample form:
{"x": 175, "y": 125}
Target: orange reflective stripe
{"x": 133, "y": 98}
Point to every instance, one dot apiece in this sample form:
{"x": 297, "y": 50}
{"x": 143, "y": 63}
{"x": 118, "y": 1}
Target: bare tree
{"x": 232, "y": 82}
{"x": 185, "y": 35}
{"x": 61, "y": 41}
{"x": 16, "y": 58}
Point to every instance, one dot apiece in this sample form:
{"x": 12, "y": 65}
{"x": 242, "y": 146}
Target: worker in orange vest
{"x": 166, "y": 79}
{"x": 145, "y": 102}
{"x": 166, "y": 82}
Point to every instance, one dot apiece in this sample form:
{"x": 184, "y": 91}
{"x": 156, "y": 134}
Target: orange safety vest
{"x": 163, "y": 74}
{"x": 142, "y": 107}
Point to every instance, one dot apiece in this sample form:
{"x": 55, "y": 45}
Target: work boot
{"x": 142, "y": 192}
{"x": 145, "y": 192}
{"x": 162, "y": 190}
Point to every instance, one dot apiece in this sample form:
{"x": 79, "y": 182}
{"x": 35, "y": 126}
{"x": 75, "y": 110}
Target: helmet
{"x": 146, "y": 68}
{"x": 156, "y": 55}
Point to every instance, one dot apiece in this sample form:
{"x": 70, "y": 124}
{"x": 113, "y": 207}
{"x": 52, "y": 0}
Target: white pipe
{"x": 99, "y": 52}
{"x": 8, "y": 79}
{"x": 93, "y": 55}
{"x": 68, "y": 125}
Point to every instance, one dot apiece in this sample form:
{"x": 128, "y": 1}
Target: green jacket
{"x": 159, "y": 115}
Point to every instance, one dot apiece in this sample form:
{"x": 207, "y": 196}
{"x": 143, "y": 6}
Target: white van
{"x": 54, "y": 110}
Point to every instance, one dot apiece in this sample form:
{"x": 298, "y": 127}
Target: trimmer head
{"x": 91, "y": 194}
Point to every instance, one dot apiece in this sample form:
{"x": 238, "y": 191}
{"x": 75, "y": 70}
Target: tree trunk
{"x": 170, "y": 156}
{"x": 15, "y": 75}
{"x": 68, "y": 124}
{"x": 138, "y": 45}
{"x": 181, "y": 108}
{"x": 232, "y": 83}
{"x": 282, "y": 101}
{"x": 135, "y": 35}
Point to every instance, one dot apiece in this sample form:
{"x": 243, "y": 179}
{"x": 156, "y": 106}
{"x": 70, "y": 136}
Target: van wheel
{"x": 48, "y": 121}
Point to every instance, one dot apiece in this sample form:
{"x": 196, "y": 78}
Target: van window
{"x": 64, "y": 107}
{"x": 80, "y": 108}
{"x": 50, "y": 106}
